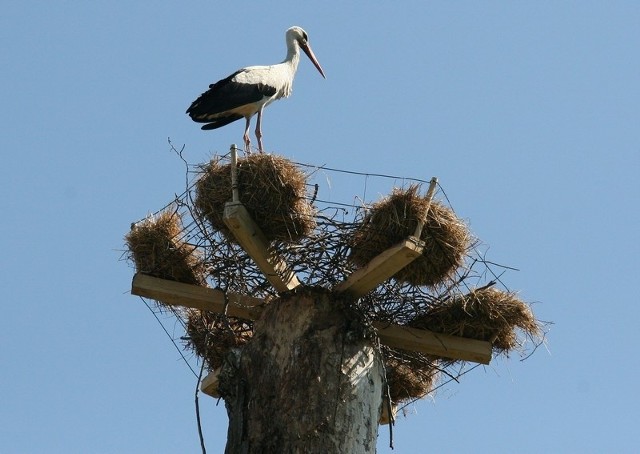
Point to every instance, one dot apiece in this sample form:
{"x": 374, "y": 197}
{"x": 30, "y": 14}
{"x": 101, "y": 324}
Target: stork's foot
{"x": 247, "y": 147}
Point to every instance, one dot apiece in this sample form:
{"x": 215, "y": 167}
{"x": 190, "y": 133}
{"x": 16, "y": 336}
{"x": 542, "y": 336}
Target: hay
{"x": 156, "y": 249}
{"x": 211, "y": 336}
{"x": 409, "y": 378}
{"x": 271, "y": 188}
{"x": 485, "y": 314}
{"x": 394, "y": 218}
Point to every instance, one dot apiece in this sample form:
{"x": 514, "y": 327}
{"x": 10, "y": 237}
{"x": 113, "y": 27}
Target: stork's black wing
{"x": 225, "y": 95}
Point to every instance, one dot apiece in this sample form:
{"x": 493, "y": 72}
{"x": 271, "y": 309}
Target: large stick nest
{"x": 156, "y": 248}
{"x": 271, "y": 188}
{"x": 323, "y": 248}
{"x": 486, "y": 314}
{"x": 396, "y": 217}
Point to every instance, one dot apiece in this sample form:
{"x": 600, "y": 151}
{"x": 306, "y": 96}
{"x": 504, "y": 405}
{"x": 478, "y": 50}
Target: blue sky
{"x": 528, "y": 112}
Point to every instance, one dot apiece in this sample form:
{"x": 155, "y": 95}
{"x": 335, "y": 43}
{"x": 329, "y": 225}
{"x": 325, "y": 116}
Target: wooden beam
{"x": 430, "y": 343}
{"x": 382, "y": 267}
{"x": 204, "y": 298}
{"x": 209, "y": 384}
{"x": 253, "y": 241}
{"x": 396, "y": 336}
{"x": 385, "y": 417}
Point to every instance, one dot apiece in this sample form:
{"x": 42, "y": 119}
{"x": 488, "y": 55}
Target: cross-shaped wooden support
{"x": 276, "y": 270}
{"x": 395, "y": 336}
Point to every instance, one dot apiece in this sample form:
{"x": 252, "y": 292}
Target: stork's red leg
{"x": 259, "y": 130}
{"x": 247, "y": 140}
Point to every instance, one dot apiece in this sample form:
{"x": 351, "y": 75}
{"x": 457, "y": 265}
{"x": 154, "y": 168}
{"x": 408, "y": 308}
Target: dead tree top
{"x": 322, "y": 243}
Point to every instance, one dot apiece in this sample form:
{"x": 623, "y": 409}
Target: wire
{"x": 169, "y": 336}
{"x": 367, "y": 174}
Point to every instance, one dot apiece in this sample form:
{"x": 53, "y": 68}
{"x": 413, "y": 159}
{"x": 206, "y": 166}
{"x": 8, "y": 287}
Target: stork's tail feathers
{"x": 217, "y": 122}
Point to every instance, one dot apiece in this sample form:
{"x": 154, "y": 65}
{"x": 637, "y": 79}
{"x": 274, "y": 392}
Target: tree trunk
{"x": 309, "y": 381}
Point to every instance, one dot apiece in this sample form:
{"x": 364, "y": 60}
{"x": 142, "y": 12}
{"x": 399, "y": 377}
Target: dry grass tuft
{"x": 485, "y": 314}
{"x": 211, "y": 335}
{"x": 410, "y": 379}
{"x": 396, "y": 217}
{"x": 271, "y": 188}
{"x": 156, "y": 249}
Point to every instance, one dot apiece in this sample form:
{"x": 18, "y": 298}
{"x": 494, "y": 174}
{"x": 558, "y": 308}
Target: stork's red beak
{"x": 307, "y": 50}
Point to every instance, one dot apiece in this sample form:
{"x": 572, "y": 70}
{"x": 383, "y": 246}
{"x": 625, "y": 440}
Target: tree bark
{"x": 309, "y": 381}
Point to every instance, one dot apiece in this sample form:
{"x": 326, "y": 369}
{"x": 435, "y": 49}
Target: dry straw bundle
{"x": 271, "y": 188}
{"x": 156, "y": 249}
{"x": 212, "y": 335}
{"x": 410, "y": 378}
{"x": 485, "y": 314}
{"x": 395, "y": 218}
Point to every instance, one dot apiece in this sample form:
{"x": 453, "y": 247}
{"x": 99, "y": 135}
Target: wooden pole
{"x": 235, "y": 195}
{"x": 423, "y": 219}
{"x": 306, "y": 383}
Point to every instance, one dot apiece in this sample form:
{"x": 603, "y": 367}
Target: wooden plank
{"x": 382, "y": 267}
{"x": 385, "y": 418}
{"x": 396, "y": 336}
{"x": 209, "y": 384}
{"x": 252, "y": 240}
{"x": 187, "y": 295}
{"x": 430, "y": 343}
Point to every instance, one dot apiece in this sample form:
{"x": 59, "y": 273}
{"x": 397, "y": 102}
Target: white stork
{"x": 249, "y": 90}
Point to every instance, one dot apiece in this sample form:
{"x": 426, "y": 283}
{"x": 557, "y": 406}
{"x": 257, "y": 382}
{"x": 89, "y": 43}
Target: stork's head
{"x": 296, "y": 35}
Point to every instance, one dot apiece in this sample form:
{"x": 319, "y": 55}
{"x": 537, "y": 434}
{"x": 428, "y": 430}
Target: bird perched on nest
{"x": 249, "y": 90}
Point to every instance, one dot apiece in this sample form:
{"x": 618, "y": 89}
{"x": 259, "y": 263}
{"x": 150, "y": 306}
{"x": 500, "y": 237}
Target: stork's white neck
{"x": 293, "y": 54}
